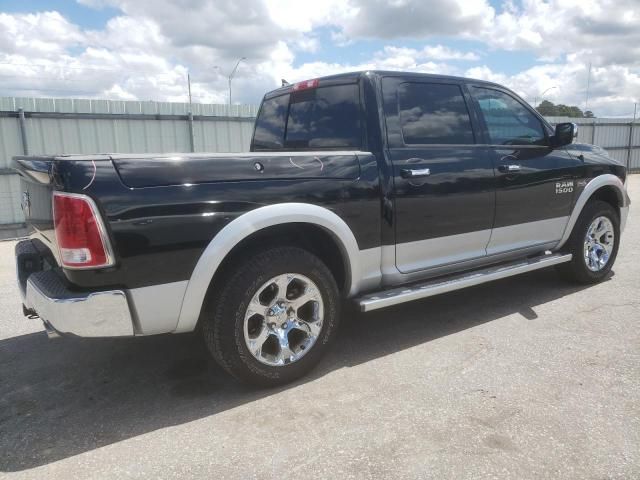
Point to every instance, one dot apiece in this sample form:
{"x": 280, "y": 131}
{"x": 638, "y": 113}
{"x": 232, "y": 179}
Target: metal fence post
{"x": 630, "y": 146}
{"x": 192, "y": 139}
{"x": 23, "y": 131}
{"x": 593, "y": 133}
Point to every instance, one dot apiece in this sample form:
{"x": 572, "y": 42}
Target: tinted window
{"x": 508, "y": 121}
{"x": 433, "y": 113}
{"x": 269, "y": 129}
{"x": 325, "y": 117}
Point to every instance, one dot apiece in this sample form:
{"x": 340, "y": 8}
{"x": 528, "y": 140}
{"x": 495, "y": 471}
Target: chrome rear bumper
{"x": 95, "y": 314}
{"x": 85, "y": 314}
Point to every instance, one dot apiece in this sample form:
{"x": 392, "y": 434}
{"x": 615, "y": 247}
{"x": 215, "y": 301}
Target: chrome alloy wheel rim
{"x": 598, "y": 244}
{"x": 284, "y": 319}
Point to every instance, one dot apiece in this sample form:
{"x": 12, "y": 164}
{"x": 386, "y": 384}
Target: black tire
{"x": 576, "y": 270}
{"x": 224, "y": 314}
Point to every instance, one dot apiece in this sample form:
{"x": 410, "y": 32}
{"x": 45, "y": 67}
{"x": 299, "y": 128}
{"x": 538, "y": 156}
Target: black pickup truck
{"x": 377, "y": 187}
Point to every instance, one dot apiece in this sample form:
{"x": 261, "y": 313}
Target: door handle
{"x": 413, "y": 173}
{"x": 509, "y": 168}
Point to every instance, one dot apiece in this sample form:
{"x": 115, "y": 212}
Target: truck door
{"x": 534, "y": 183}
{"x": 443, "y": 181}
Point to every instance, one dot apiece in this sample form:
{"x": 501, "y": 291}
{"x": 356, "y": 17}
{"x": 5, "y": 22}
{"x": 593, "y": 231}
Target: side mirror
{"x": 565, "y": 133}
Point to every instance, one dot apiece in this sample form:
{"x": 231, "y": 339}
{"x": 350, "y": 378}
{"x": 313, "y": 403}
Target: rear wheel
{"x": 593, "y": 244}
{"x": 273, "y": 317}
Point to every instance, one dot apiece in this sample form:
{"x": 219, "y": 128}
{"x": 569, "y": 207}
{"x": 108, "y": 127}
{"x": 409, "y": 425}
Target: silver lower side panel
{"x": 157, "y": 307}
{"x": 525, "y": 235}
{"x": 624, "y": 213}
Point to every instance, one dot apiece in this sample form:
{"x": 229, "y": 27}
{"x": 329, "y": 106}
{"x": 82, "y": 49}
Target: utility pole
{"x": 192, "y": 138}
{"x": 230, "y": 77}
{"x": 586, "y": 100}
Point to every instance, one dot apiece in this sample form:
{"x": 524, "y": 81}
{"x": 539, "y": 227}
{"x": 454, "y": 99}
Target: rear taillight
{"x": 80, "y": 233}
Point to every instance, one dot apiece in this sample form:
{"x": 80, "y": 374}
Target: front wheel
{"x": 593, "y": 244}
{"x": 273, "y": 317}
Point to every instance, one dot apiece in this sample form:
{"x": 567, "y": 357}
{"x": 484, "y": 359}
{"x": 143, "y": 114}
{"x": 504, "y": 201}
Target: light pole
{"x": 535, "y": 100}
{"x": 189, "y": 87}
{"x": 233, "y": 72}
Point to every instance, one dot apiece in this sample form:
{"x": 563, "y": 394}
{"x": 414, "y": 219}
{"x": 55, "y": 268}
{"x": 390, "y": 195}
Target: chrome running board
{"x": 407, "y": 293}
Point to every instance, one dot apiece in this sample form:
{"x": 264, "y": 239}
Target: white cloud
{"x": 594, "y": 29}
{"x": 118, "y": 62}
{"x": 604, "y": 32}
{"x": 613, "y": 90}
{"x": 414, "y": 18}
{"x": 227, "y": 29}
{"x": 44, "y": 33}
{"x": 147, "y": 51}
{"x": 307, "y": 44}
{"x": 436, "y": 52}
{"x": 297, "y": 16}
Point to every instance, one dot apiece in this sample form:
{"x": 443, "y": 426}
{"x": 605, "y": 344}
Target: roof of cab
{"x": 355, "y": 76}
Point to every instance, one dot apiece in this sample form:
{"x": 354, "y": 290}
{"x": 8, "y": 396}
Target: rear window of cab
{"x": 314, "y": 119}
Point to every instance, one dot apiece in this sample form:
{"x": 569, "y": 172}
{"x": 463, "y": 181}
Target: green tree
{"x": 563, "y": 110}
{"x": 547, "y": 108}
{"x": 589, "y": 114}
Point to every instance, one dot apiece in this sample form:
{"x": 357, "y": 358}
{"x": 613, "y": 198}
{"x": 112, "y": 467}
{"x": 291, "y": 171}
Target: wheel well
{"x": 608, "y": 194}
{"x": 310, "y": 237}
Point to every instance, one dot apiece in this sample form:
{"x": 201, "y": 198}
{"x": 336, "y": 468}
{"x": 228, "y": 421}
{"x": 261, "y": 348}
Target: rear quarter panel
{"x": 159, "y": 232}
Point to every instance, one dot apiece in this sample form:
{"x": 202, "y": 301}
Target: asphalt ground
{"x": 524, "y": 378}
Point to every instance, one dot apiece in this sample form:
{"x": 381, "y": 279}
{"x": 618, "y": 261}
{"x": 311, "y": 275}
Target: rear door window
{"x": 314, "y": 119}
{"x": 433, "y": 113}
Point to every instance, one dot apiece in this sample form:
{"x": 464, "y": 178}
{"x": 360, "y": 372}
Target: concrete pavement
{"x": 525, "y": 378}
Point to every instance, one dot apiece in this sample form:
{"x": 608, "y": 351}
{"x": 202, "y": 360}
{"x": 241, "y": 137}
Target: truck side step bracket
{"x": 429, "y": 288}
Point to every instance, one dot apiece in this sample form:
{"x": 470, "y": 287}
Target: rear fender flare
{"x": 249, "y": 223}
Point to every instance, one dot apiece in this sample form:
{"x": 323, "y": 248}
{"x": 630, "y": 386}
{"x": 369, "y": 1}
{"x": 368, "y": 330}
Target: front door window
{"x": 508, "y": 121}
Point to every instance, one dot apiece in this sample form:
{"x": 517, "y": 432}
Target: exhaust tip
{"x": 29, "y": 312}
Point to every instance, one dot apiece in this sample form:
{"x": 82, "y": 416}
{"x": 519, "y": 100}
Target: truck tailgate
{"x": 36, "y": 187}
{"x": 37, "y": 181}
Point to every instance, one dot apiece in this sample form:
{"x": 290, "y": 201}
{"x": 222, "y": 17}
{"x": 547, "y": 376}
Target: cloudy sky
{"x": 143, "y": 49}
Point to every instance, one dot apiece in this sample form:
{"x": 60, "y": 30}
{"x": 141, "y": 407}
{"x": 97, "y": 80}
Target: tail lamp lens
{"x": 80, "y": 234}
